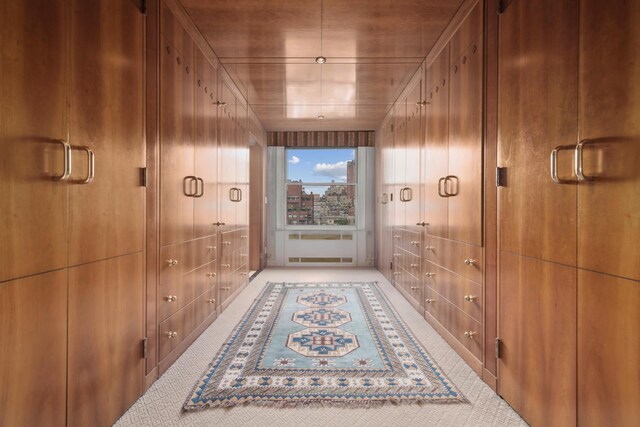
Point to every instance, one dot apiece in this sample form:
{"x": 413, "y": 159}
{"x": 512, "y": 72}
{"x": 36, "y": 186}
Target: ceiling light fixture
{"x": 321, "y": 59}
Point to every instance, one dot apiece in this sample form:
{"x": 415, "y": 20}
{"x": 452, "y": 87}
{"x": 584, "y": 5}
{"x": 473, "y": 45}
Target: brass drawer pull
{"x": 211, "y": 248}
{"x": 414, "y": 266}
{"x": 414, "y": 288}
{"x": 244, "y": 273}
{"x": 172, "y": 262}
{"x": 429, "y": 274}
{"x": 226, "y": 265}
{"x": 243, "y": 255}
{"x": 211, "y": 274}
{"x": 243, "y": 237}
{"x": 211, "y": 301}
{"x": 171, "y": 334}
{"x": 396, "y": 255}
{"x": 396, "y": 237}
{"x": 429, "y": 301}
{"x": 226, "y": 243}
{"x": 414, "y": 243}
{"x": 226, "y": 288}
{"x": 470, "y": 261}
{"x": 469, "y": 334}
{"x": 470, "y": 298}
{"x": 396, "y": 273}
{"x": 171, "y": 298}
{"x": 430, "y": 248}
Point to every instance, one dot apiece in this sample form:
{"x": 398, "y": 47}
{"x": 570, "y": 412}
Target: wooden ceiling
{"x": 372, "y": 47}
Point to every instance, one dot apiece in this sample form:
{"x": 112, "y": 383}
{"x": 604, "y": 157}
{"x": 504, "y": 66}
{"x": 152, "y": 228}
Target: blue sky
{"x": 318, "y": 165}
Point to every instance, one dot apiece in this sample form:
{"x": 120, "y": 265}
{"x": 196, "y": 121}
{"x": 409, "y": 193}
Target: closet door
{"x": 609, "y": 215}
{"x": 242, "y": 167}
{"x": 206, "y": 147}
{"x": 106, "y": 211}
{"x": 537, "y": 298}
{"x": 400, "y": 161}
{"x": 227, "y": 157}
{"x": 387, "y": 189}
{"x": 609, "y": 120}
{"x": 33, "y": 121}
{"x": 176, "y": 132}
{"x": 33, "y": 354}
{"x": 436, "y": 144}
{"x": 466, "y": 130}
{"x": 105, "y": 368}
{"x": 412, "y": 166}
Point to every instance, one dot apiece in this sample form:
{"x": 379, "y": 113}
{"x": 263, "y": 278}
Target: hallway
{"x": 161, "y": 404}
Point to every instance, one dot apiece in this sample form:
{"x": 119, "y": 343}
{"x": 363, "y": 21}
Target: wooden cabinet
{"x": 33, "y": 354}
{"x": 571, "y": 226}
{"x": 33, "y": 122}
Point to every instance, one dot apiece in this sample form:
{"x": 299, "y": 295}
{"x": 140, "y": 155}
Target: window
{"x": 321, "y": 186}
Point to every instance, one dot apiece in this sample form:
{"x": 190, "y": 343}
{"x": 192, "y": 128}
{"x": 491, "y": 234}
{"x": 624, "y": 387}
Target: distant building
{"x": 299, "y": 205}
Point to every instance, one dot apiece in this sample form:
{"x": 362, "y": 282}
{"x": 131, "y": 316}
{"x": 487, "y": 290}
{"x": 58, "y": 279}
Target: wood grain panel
{"x": 608, "y": 350}
{"x": 33, "y": 355}
{"x": 453, "y": 256}
{"x": 436, "y": 144}
{"x": 465, "y": 144}
{"x": 413, "y": 147}
{"x": 609, "y": 112}
{"x": 468, "y": 33}
{"x": 455, "y": 289}
{"x": 181, "y": 323}
{"x": 537, "y": 329}
{"x": 33, "y": 115}
{"x": 176, "y": 132}
{"x": 206, "y": 146}
{"x": 537, "y": 112}
{"x": 105, "y": 339}
{"x": 226, "y": 156}
{"x": 107, "y": 115}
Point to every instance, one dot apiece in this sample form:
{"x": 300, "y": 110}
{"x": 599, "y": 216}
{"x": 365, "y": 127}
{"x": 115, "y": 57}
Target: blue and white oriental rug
{"x": 325, "y": 343}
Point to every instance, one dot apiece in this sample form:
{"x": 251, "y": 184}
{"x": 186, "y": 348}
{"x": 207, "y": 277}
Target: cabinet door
{"x": 537, "y": 109}
{"x": 436, "y": 154}
{"x": 227, "y": 160}
{"x": 33, "y": 354}
{"x": 609, "y": 202}
{"x": 465, "y": 144}
{"x": 106, "y": 115}
{"x": 242, "y": 167}
{"x": 412, "y": 166}
{"x": 105, "y": 368}
{"x": 399, "y": 162}
{"x": 206, "y": 146}
{"x": 33, "y": 118}
{"x": 176, "y": 133}
{"x": 537, "y": 318}
{"x": 608, "y": 350}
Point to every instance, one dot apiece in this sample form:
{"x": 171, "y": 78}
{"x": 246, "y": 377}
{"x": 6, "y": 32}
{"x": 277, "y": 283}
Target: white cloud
{"x": 332, "y": 170}
{"x": 294, "y": 160}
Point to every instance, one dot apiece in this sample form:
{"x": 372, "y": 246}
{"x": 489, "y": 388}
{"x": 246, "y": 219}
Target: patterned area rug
{"x": 324, "y": 343}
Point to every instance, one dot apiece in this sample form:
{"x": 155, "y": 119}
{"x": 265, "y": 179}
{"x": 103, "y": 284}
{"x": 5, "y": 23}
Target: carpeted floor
{"x": 162, "y": 404}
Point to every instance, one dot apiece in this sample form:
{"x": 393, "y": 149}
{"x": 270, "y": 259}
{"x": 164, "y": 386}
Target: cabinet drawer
{"x": 204, "y": 307}
{"x": 204, "y": 278}
{"x": 225, "y": 285}
{"x": 174, "y": 262}
{"x": 407, "y": 240}
{"x": 463, "y": 293}
{"x": 174, "y": 294}
{"x": 462, "y": 258}
{"x": 205, "y": 250}
{"x": 175, "y": 329}
{"x": 465, "y": 330}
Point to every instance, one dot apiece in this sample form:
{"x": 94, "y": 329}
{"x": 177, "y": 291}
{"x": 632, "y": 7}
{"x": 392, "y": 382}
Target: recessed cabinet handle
{"x": 66, "y": 173}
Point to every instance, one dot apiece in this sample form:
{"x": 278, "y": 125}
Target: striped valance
{"x": 322, "y": 139}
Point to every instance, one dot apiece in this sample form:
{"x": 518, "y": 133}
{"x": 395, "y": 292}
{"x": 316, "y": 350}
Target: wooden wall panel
{"x": 33, "y": 354}
{"x": 106, "y": 367}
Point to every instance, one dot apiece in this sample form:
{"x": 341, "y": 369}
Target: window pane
{"x": 321, "y": 165}
{"x": 321, "y": 205}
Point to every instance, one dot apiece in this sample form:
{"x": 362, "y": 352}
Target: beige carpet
{"x": 161, "y": 405}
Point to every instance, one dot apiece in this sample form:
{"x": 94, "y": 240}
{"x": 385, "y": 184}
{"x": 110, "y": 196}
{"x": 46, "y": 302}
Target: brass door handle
{"x": 66, "y": 173}
{"x": 423, "y": 224}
